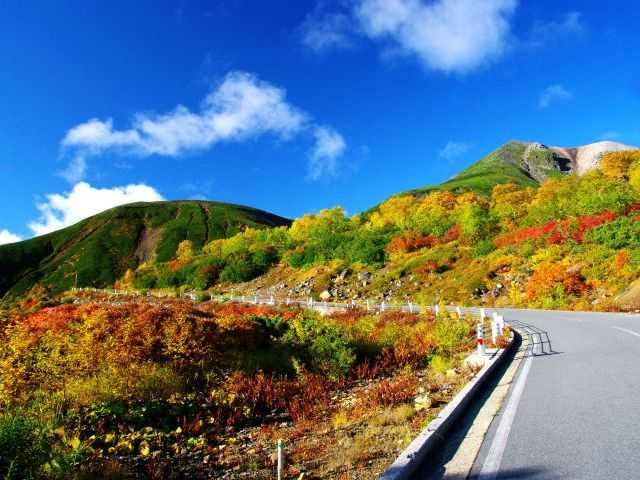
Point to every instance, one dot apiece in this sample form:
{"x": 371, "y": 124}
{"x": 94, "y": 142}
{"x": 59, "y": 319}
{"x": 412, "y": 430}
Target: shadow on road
{"x": 538, "y": 339}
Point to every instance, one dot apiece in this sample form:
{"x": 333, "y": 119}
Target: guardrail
{"x": 367, "y": 305}
{"x": 320, "y": 305}
{"x": 497, "y": 321}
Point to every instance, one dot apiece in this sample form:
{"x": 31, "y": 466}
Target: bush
{"x": 245, "y": 266}
{"x": 239, "y": 270}
{"x": 483, "y": 248}
{"x": 323, "y": 346}
{"x": 206, "y": 273}
{"x": 623, "y": 232}
{"x": 451, "y": 335}
{"x": 145, "y": 281}
{"x": 23, "y": 446}
{"x": 440, "y": 364}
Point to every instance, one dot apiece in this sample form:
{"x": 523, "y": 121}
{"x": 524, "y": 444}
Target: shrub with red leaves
{"x": 390, "y": 392}
{"x": 410, "y": 242}
{"x": 452, "y": 234}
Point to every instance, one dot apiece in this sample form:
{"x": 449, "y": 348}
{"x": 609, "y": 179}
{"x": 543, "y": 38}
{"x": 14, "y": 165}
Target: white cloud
{"x": 327, "y": 30}
{"x": 446, "y": 35}
{"x": 324, "y": 158}
{"x": 552, "y": 94}
{"x": 544, "y": 32}
{"x": 75, "y": 170}
{"x": 64, "y": 209}
{"x": 454, "y": 150}
{"x": 240, "y": 108}
{"x": 7, "y": 237}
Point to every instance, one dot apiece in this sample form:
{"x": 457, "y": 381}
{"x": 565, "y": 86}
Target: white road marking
{"x": 491, "y": 466}
{"x": 631, "y": 332}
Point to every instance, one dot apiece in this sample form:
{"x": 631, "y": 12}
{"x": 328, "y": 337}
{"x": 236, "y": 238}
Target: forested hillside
{"x": 572, "y": 242}
{"x": 98, "y": 250}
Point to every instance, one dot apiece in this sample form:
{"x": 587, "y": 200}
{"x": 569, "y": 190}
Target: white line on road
{"x": 631, "y": 332}
{"x": 491, "y": 466}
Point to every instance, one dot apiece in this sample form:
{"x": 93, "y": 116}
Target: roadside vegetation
{"x": 172, "y": 389}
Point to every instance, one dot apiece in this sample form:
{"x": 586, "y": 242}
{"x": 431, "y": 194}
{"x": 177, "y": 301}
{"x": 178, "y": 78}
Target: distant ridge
{"x": 527, "y": 164}
{"x": 99, "y": 249}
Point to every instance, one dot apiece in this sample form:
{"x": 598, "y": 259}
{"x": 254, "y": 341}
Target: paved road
{"x": 574, "y": 412}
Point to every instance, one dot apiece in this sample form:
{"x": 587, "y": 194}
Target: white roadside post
{"x": 482, "y": 315}
{"x": 272, "y": 300}
{"x": 480, "y": 335}
{"x": 459, "y": 312}
{"x": 368, "y": 305}
{"x": 256, "y": 300}
{"x": 500, "y": 323}
{"x": 280, "y": 460}
{"x": 382, "y": 306}
{"x": 494, "y": 331}
{"x": 436, "y": 309}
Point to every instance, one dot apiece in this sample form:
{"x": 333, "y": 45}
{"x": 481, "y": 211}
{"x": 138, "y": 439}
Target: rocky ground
{"x": 350, "y": 440}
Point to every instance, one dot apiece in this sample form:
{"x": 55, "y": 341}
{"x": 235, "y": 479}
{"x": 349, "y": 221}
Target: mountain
{"x": 98, "y": 250}
{"x": 526, "y": 164}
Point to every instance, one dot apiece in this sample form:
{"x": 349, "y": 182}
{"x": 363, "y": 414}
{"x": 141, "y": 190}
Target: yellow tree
{"x": 433, "y": 212}
{"x": 185, "y": 250}
{"x": 509, "y": 203}
{"x": 395, "y": 211}
{"x": 616, "y": 164}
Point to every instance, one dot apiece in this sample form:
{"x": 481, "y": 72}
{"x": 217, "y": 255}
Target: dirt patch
{"x": 630, "y": 298}
{"x": 149, "y": 238}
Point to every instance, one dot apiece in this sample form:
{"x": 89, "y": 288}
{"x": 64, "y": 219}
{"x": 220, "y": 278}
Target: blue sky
{"x": 292, "y": 106}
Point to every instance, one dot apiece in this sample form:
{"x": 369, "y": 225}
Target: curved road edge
{"x": 431, "y": 437}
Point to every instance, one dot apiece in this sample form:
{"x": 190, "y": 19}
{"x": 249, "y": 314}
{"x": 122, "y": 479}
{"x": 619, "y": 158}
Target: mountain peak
{"x": 527, "y": 163}
{"x": 585, "y": 158}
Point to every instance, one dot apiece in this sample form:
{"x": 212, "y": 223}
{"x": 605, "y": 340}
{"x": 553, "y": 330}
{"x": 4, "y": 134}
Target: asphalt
{"x": 578, "y": 415}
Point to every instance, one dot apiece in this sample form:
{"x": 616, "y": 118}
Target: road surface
{"x": 573, "y": 407}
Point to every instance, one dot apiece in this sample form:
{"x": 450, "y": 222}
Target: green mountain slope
{"x": 100, "y": 249}
{"x": 513, "y": 162}
{"x": 525, "y": 164}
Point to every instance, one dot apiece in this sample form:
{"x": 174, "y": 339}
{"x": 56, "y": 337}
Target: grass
{"x": 101, "y": 248}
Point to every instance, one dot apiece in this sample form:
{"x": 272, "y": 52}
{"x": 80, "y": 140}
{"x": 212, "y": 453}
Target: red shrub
{"x": 390, "y": 391}
{"x": 410, "y": 242}
{"x": 429, "y": 266}
{"x": 621, "y": 259}
{"x": 452, "y": 234}
{"x": 557, "y": 232}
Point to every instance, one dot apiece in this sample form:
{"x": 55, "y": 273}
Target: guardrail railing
{"x": 497, "y": 321}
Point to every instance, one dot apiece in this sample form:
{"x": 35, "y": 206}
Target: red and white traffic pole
{"x": 480, "y": 339}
